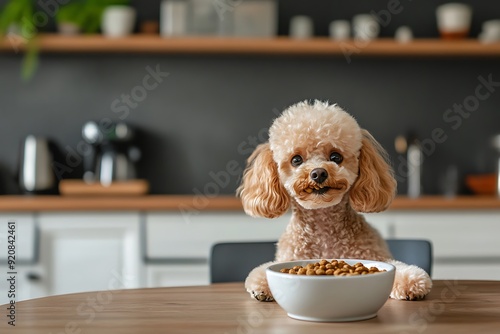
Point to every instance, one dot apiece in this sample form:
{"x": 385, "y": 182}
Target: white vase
{"x": 301, "y": 27}
{"x": 365, "y": 27}
{"x": 118, "y": 21}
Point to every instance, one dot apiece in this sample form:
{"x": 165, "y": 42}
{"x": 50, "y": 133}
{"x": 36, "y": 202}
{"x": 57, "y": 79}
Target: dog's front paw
{"x": 411, "y": 283}
{"x": 256, "y": 284}
{"x": 261, "y": 296}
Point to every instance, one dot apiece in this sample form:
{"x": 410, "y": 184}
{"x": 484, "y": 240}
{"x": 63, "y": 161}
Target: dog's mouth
{"x": 317, "y": 189}
{"x": 321, "y": 189}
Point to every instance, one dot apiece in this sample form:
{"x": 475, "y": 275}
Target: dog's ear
{"x": 261, "y": 191}
{"x": 375, "y": 187}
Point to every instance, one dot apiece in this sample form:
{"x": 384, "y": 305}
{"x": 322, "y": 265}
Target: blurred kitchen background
{"x": 205, "y": 112}
{"x": 177, "y": 107}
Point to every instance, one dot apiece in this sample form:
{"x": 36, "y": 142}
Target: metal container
{"x": 36, "y": 173}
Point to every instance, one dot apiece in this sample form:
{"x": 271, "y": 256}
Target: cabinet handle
{"x": 33, "y": 277}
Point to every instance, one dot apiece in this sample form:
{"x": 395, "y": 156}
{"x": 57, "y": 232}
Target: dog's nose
{"x": 319, "y": 175}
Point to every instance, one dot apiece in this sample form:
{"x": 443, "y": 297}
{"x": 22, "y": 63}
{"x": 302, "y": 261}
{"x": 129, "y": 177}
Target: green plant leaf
{"x": 30, "y": 61}
{"x": 11, "y": 13}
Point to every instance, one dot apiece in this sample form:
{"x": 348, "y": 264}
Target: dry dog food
{"x": 334, "y": 267}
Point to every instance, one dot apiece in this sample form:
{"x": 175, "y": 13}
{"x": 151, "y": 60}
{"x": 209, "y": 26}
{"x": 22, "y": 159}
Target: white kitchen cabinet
{"x": 383, "y": 222}
{"x": 174, "y": 235}
{"x": 465, "y": 243}
{"x": 464, "y": 234}
{"x": 25, "y": 236}
{"x": 184, "y": 242}
{"x": 26, "y": 241}
{"x": 90, "y": 251}
{"x": 175, "y": 274}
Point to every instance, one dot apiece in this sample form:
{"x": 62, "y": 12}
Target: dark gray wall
{"x": 201, "y": 117}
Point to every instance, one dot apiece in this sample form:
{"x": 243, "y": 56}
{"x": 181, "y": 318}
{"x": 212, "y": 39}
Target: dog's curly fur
{"x": 325, "y": 222}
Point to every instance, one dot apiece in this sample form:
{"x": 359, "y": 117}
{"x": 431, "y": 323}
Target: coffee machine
{"x": 112, "y": 152}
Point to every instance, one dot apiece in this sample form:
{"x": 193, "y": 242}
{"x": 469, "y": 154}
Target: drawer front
{"x": 170, "y": 235}
{"x": 463, "y": 234}
{"x": 177, "y": 275}
{"x": 468, "y": 270}
{"x": 26, "y": 237}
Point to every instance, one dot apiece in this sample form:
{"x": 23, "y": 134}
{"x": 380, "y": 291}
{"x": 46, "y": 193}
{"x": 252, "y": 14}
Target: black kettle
{"x": 36, "y": 166}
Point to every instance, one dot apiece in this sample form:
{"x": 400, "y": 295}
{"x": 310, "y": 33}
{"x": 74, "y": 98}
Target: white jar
{"x": 118, "y": 21}
{"x": 365, "y": 27}
{"x": 203, "y": 18}
{"x": 340, "y": 30}
{"x": 491, "y": 32}
{"x": 173, "y": 18}
{"x": 301, "y": 27}
{"x": 454, "y": 20}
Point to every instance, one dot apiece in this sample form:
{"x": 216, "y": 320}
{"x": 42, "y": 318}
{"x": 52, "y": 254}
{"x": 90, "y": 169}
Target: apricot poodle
{"x": 320, "y": 163}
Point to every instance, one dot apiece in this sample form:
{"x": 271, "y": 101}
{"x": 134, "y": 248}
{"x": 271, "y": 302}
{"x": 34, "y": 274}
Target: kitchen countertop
{"x": 219, "y": 203}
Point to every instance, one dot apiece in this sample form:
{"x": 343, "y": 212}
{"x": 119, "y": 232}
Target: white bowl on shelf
{"x": 331, "y": 298}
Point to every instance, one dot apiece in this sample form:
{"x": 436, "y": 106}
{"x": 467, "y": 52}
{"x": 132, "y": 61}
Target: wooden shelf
{"x": 186, "y": 203}
{"x": 270, "y": 46}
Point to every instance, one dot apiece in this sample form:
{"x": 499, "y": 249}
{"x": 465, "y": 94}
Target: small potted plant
{"x": 83, "y": 16}
{"x": 69, "y": 18}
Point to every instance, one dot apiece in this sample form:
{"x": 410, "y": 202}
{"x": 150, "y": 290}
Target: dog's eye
{"x": 336, "y": 157}
{"x": 297, "y": 161}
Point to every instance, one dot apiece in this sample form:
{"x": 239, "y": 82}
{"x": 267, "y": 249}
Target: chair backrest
{"x": 412, "y": 251}
{"x": 232, "y": 261}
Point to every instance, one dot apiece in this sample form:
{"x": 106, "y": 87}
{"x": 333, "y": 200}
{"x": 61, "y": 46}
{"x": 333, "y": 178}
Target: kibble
{"x": 332, "y": 268}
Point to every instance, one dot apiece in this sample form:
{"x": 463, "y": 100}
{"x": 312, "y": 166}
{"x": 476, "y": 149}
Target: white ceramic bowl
{"x": 331, "y": 298}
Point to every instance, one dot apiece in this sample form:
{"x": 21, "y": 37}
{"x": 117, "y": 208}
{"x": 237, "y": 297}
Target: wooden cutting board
{"x": 119, "y": 188}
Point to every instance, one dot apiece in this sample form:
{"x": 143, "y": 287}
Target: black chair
{"x": 412, "y": 251}
{"x": 232, "y": 261}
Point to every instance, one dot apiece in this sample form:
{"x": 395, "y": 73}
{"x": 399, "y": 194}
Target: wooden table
{"x": 451, "y": 307}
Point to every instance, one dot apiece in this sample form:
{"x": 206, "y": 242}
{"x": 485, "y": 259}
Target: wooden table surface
{"x": 451, "y": 307}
